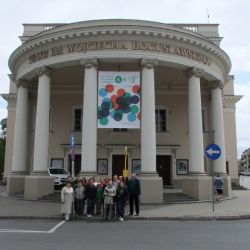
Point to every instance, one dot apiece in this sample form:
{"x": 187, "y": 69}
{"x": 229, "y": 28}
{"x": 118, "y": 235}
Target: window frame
{"x": 77, "y": 107}
{"x": 158, "y": 128}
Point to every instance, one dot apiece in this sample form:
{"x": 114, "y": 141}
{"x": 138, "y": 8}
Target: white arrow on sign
{"x": 211, "y": 151}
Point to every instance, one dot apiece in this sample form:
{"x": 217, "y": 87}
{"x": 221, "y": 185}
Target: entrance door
{"x": 77, "y": 164}
{"x": 117, "y": 164}
{"x": 163, "y": 167}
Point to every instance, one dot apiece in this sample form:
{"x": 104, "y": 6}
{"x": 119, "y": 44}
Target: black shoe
{"x": 137, "y": 214}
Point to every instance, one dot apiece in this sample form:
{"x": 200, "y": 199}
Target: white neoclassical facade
{"x": 184, "y": 101}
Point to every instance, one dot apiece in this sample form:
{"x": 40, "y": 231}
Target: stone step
{"x": 177, "y": 198}
{"x": 55, "y": 197}
{"x": 238, "y": 187}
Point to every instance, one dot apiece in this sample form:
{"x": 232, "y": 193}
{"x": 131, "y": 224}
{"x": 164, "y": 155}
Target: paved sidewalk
{"x": 236, "y": 208}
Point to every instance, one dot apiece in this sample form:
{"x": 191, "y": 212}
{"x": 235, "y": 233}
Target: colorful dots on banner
{"x": 118, "y": 116}
{"x": 102, "y": 92}
{"x": 136, "y": 89}
{"x": 134, "y": 109}
{"x": 131, "y": 117}
{"x": 121, "y": 92}
{"x": 109, "y": 88}
{"x": 104, "y": 121}
{"x": 118, "y": 103}
{"x": 135, "y": 99}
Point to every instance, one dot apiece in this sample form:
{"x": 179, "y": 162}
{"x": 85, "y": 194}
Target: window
{"x": 204, "y": 128}
{"x": 161, "y": 120}
{"x": 77, "y": 116}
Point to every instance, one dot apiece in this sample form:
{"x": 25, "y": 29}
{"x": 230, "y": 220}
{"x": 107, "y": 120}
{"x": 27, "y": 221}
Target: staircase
{"x": 174, "y": 195}
{"x": 238, "y": 187}
{"x": 55, "y": 197}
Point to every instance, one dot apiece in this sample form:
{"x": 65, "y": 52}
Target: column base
{"x": 198, "y": 187}
{"x": 15, "y": 184}
{"x": 37, "y": 186}
{"x": 227, "y": 187}
{"x": 151, "y": 188}
{"x": 235, "y": 180}
{"x": 5, "y": 177}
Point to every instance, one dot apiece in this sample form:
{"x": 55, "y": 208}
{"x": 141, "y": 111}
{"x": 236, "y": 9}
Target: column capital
{"x": 217, "y": 84}
{"x": 193, "y": 72}
{"x": 12, "y": 77}
{"x": 22, "y": 83}
{"x": 149, "y": 63}
{"x": 89, "y": 63}
{"x": 43, "y": 70}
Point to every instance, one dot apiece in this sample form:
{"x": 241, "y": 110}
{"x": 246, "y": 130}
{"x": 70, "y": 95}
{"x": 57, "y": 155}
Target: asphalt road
{"x": 74, "y": 235}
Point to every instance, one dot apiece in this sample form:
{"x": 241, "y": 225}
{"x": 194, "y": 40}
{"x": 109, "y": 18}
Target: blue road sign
{"x": 213, "y": 151}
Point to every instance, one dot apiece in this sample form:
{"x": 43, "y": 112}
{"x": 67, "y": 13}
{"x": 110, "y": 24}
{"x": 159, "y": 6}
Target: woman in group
{"x": 121, "y": 200}
{"x": 109, "y": 193}
{"x": 67, "y": 198}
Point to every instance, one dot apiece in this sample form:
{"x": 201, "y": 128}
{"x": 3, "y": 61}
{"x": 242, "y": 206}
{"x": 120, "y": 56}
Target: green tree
{"x": 3, "y": 125}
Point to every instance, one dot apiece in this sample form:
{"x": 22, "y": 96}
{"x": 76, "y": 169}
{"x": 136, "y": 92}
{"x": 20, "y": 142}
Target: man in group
{"x": 134, "y": 191}
{"x": 115, "y": 181}
{"x": 91, "y": 197}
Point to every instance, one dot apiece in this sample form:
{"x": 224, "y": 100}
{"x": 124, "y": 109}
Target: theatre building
{"x": 95, "y": 89}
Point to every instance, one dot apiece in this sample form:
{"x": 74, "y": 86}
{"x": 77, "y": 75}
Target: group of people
{"x": 108, "y": 197}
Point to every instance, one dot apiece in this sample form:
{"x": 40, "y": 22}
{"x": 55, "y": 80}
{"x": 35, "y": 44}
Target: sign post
{"x": 213, "y": 152}
{"x": 72, "y": 144}
{"x": 125, "y": 171}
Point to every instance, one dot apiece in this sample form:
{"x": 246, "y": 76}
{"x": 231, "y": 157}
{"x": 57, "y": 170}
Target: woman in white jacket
{"x": 109, "y": 194}
{"x": 67, "y": 198}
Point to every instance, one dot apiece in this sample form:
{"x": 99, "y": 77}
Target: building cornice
{"x": 123, "y": 30}
{"x": 8, "y": 97}
{"x": 232, "y": 98}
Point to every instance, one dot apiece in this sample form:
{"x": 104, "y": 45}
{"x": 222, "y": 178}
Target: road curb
{"x": 140, "y": 218}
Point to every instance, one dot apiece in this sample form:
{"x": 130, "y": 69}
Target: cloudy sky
{"x": 233, "y": 17}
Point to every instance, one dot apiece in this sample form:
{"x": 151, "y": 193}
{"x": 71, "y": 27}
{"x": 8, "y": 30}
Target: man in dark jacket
{"x": 134, "y": 190}
{"x": 91, "y": 197}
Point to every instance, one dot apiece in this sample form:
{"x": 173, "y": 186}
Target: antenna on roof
{"x": 208, "y": 16}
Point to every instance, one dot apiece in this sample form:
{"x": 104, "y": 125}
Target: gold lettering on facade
{"x": 39, "y": 56}
{"x": 80, "y": 47}
{"x": 71, "y": 48}
{"x": 165, "y": 48}
{"x": 83, "y": 47}
{"x": 57, "y": 51}
{"x": 135, "y": 45}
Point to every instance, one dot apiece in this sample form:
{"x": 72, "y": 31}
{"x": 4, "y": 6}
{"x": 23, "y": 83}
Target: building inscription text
{"x": 82, "y": 47}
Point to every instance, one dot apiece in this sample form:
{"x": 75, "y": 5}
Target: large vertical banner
{"x": 119, "y": 99}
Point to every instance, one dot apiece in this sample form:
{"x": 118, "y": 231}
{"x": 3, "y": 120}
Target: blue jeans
{"x": 120, "y": 206}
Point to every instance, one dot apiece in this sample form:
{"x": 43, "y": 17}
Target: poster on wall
{"x": 119, "y": 99}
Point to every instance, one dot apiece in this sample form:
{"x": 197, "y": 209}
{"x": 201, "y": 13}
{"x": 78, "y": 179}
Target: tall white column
{"x": 196, "y": 165}
{"x": 19, "y": 158}
{"x": 148, "y": 133}
{"x": 41, "y": 145}
{"x": 89, "y": 122}
{"x": 151, "y": 183}
{"x": 218, "y": 126}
